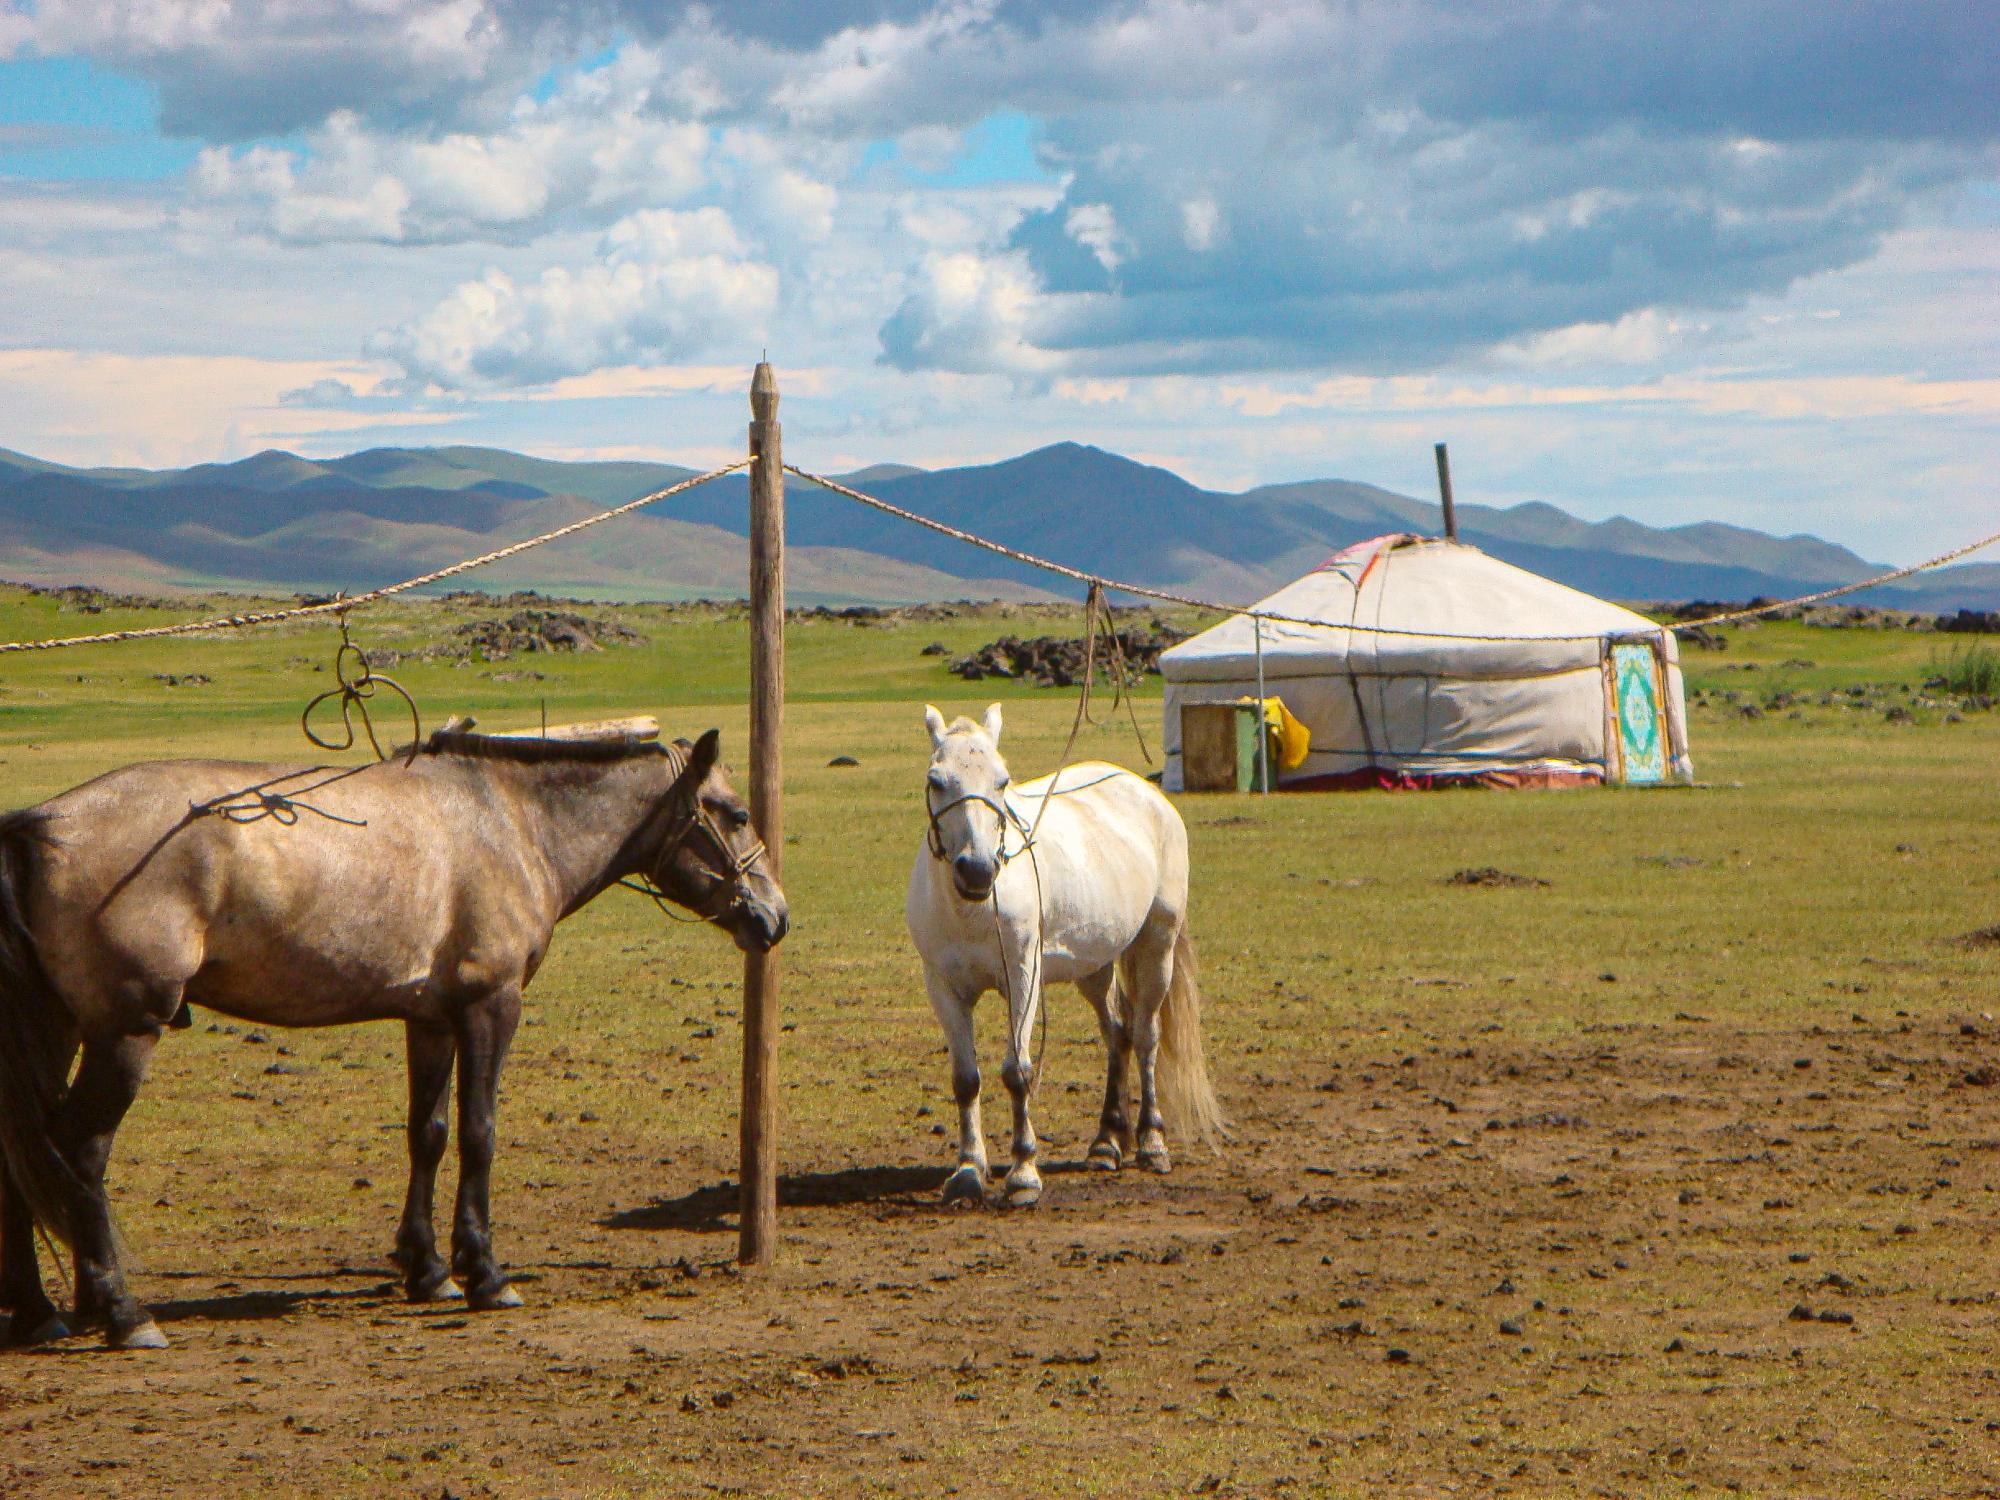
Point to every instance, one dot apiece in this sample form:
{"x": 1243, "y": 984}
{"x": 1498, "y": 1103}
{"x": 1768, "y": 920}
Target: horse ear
{"x": 706, "y": 751}
{"x": 992, "y": 722}
{"x": 934, "y": 722}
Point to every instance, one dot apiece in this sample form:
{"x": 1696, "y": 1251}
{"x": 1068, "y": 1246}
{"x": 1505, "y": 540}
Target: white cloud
{"x": 1095, "y": 227}
{"x": 239, "y": 70}
{"x": 1200, "y": 219}
{"x": 1638, "y": 338}
{"x": 665, "y": 285}
{"x": 582, "y": 157}
{"x": 16, "y": 30}
{"x": 969, "y": 312}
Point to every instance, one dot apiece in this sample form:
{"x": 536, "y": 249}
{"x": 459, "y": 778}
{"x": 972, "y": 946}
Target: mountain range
{"x": 277, "y": 522}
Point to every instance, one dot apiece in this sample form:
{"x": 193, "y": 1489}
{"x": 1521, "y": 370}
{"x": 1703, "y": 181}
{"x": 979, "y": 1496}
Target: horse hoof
{"x": 1104, "y": 1157}
{"x": 1027, "y": 1195}
{"x": 497, "y": 1299}
{"x": 438, "y": 1287}
{"x": 144, "y": 1335}
{"x": 21, "y": 1335}
{"x": 1156, "y": 1159}
{"x": 966, "y": 1185}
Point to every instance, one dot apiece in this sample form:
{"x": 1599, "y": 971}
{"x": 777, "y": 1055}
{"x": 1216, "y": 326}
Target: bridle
{"x": 728, "y": 889}
{"x": 1008, "y": 818}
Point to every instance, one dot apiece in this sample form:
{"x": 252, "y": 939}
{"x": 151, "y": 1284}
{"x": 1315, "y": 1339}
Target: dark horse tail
{"x": 35, "y": 1037}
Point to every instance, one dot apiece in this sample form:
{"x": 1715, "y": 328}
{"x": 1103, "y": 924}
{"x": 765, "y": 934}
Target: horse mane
{"x": 533, "y": 750}
{"x": 29, "y": 824}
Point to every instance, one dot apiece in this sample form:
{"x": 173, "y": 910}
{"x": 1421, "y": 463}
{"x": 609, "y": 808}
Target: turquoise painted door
{"x": 1642, "y": 736}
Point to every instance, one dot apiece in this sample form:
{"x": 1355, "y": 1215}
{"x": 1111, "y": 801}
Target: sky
{"x": 1679, "y": 261}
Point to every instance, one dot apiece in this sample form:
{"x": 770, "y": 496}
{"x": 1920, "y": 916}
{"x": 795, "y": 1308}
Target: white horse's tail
{"x": 1187, "y": 1098}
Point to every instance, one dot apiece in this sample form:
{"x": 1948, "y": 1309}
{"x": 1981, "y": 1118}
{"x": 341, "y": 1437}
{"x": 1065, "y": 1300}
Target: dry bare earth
{"x": 1583, "y": 1153}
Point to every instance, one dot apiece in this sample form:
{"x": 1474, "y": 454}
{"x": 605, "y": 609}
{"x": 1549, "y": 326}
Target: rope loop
{"x": 355, "y": 685}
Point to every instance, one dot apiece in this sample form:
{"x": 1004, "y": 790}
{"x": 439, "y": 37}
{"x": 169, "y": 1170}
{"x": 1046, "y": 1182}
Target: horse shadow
{"x": 244, "y": 1307}
{"x": 713, "y": 1209}
{"x": 241, "y": 1307}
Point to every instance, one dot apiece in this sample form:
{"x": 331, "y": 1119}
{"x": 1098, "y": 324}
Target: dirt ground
{"x": 1454, "y": 1266}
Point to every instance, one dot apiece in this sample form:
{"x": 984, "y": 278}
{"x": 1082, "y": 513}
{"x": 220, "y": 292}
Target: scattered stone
{"x": 842, "y": 760}
{"x": 1488, "y": 875}
{"x": 935, "y": 648}
{"x": 1511, "y": 1327}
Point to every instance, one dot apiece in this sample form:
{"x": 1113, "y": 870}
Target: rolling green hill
{"x": 277, "y": 520}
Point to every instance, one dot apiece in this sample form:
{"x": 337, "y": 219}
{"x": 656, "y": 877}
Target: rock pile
{"x": 526, "y": 630}
{"x": 1058, "y": 661}
{"x": 1970, "y": 622}
{"x": 544, "y": 630}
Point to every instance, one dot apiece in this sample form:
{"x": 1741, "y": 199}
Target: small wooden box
{"x": 1219, "y": 747}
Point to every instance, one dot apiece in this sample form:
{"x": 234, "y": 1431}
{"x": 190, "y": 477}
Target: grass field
{"x": 1540, "y": 1189}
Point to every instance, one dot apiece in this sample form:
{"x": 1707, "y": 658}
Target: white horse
{"x": 1096, "y": 895}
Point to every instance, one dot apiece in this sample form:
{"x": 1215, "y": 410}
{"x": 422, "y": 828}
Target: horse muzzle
{"x": 759, "y": 928}
{"x": 973, "y": 877}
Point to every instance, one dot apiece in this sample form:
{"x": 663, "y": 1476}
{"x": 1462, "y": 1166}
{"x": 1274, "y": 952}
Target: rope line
{"x": 1096, "y": 581}
{"x": 335, "y": 606}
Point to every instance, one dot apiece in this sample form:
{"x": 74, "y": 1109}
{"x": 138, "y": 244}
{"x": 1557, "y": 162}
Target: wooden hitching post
{"x": 758, "y": 1121}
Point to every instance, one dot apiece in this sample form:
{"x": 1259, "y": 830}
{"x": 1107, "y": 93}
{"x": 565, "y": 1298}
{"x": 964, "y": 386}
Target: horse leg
{"x": 954, "y": 1013}
{"x": 106, "y": 1084}
{"x": 1114, "y": 1132}
{"x": 485, "y": 1027}
{"x": 1152, "y": 970}
{"x": 1017, "y": 1071}
{"x": 431, "y": 1050}
{"x": 35, "y": 1319}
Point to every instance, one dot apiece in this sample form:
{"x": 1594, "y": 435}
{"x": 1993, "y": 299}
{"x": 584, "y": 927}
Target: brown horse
{"x": 424, "y": 890}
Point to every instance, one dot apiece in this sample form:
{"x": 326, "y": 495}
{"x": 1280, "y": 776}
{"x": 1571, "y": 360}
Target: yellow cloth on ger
{"x": 1286, "y": 739}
